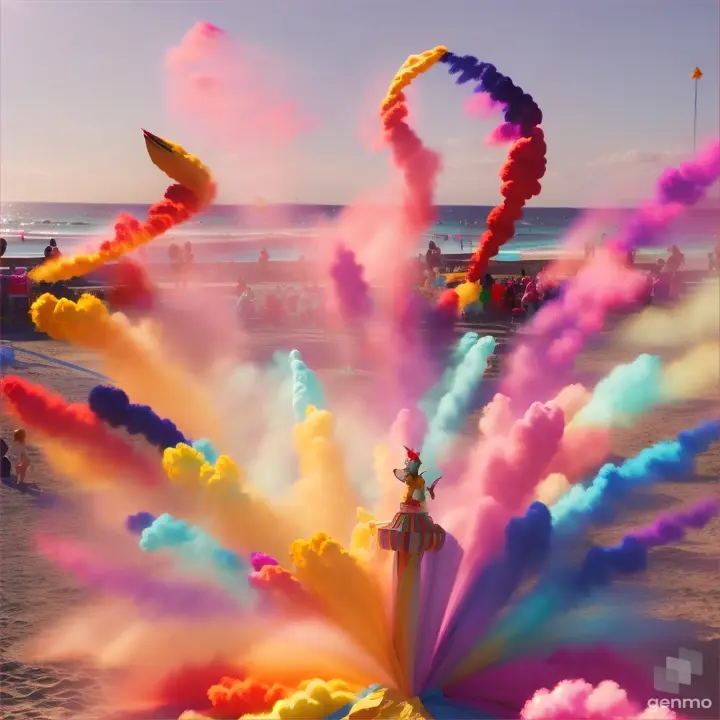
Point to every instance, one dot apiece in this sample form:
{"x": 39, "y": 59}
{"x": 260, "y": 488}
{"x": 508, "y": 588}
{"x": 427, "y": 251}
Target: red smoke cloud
{"x": 76, "y": 425}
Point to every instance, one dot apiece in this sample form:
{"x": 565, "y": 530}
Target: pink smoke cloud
{"x": 233, "y": 92}
{"x": 481, "y": 105}
{"x": 578, "y": 700}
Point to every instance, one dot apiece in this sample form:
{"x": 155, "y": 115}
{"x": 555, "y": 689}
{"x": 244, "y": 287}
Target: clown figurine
{"x": 416, "y": 491}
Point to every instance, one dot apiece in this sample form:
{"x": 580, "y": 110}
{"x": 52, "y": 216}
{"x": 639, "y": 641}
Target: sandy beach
{"x": 33, "y": 594}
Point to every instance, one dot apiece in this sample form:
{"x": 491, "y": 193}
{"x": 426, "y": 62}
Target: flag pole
{"x": 696, "y": 75}
{"x": 695, "y": 119}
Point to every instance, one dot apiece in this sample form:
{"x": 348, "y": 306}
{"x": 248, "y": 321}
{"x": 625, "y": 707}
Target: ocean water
{"x": 238, "y": 233}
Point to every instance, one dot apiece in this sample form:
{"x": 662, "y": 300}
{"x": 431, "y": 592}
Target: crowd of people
{"x": 281, "y": 305}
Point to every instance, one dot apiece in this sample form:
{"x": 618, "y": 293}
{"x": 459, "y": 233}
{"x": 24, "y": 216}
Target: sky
{"x": 78, "y": 79}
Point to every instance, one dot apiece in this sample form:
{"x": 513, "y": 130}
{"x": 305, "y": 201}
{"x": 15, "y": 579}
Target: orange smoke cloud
{"x": 179, "y": 204}
{"x": 234, "y": 698}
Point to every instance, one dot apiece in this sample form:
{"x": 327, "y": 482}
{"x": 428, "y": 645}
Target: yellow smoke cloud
{"x": 314, "y": 699}
{"x": 348, "y": 594}
{"x": 696, "y": 319}
{"x": 238, "y": 516}
{"x": 195, "y": 192}
{"x": 144, "y": 375}
{"x": 415, "y": 65}
{"x": 323, "y": 497}
{"x": 695, "y": 374}
{"x": 468, "y": 293}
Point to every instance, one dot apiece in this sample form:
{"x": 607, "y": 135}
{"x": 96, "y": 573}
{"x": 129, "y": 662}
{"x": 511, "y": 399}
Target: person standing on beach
{"x": 433, "y": 256}
{"x": 19, "y": 455}
{"x": 54, "y": 250}
{"x": 263, "y": 262}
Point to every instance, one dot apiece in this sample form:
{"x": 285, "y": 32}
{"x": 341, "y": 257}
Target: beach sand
{"x": 33, "y": 595}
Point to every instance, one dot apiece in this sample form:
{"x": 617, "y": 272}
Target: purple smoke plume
{"x": 671, "y": 527}
{"x": 351, "y": 288}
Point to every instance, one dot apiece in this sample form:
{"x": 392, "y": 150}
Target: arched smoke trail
{"x": 75, "y": 425}
{"x": 194, "y": 193}
{"x": 418, "y": 164}
{"x": 200, "y": 552}
{"x": 526, "y": 161}
{"x": 113, "y": 406}
{"x": 667, "y": 460}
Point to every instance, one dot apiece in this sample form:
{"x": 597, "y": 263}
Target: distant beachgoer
{"x": 509, "y": 298}
{"x": 188, "y": 259}
{"x": 19, "y": 455}
{"x": 675, "y": 261}
{"x": 175, "y": 256}
{"x": 530, "y": 300}
{"x": 523, "y": 273}
{"x": 433, "y": 256}
{"x": 51, "y": 249}
{"x": 22, "y": 237}
{"x": 263, "y": 262}
{"x": 6, "y": 465}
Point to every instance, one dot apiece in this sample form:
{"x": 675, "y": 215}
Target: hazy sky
{"x": 78, "y": 80}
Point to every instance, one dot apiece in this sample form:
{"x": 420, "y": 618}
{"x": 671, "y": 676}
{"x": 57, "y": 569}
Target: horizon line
{"x": 622, "y": 205}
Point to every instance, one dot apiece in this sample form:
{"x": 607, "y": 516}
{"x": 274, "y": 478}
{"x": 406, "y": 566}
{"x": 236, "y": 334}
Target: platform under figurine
{"x": 410, "y": 534}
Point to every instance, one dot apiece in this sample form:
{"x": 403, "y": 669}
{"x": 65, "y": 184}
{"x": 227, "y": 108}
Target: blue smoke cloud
{"x": 204, "y": 446}
{"x": 428, "y": 405}
{"x": 667, "y": 460}
{"x": 199, "y": 552}
{"x": 456, "y": 402}
{"x": 113, "y": 407}
{"x": 527, "y": 544}
{"x": 520, "y": 108}
{"x": 307, "y": 389}
{"x": 626, "y": 392}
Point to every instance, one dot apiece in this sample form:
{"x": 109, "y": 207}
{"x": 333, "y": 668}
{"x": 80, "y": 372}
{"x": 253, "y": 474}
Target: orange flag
{"x": 696, "y": 74}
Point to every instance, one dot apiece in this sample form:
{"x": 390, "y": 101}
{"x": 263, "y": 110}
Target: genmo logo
{"x": 681, "y": 703}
